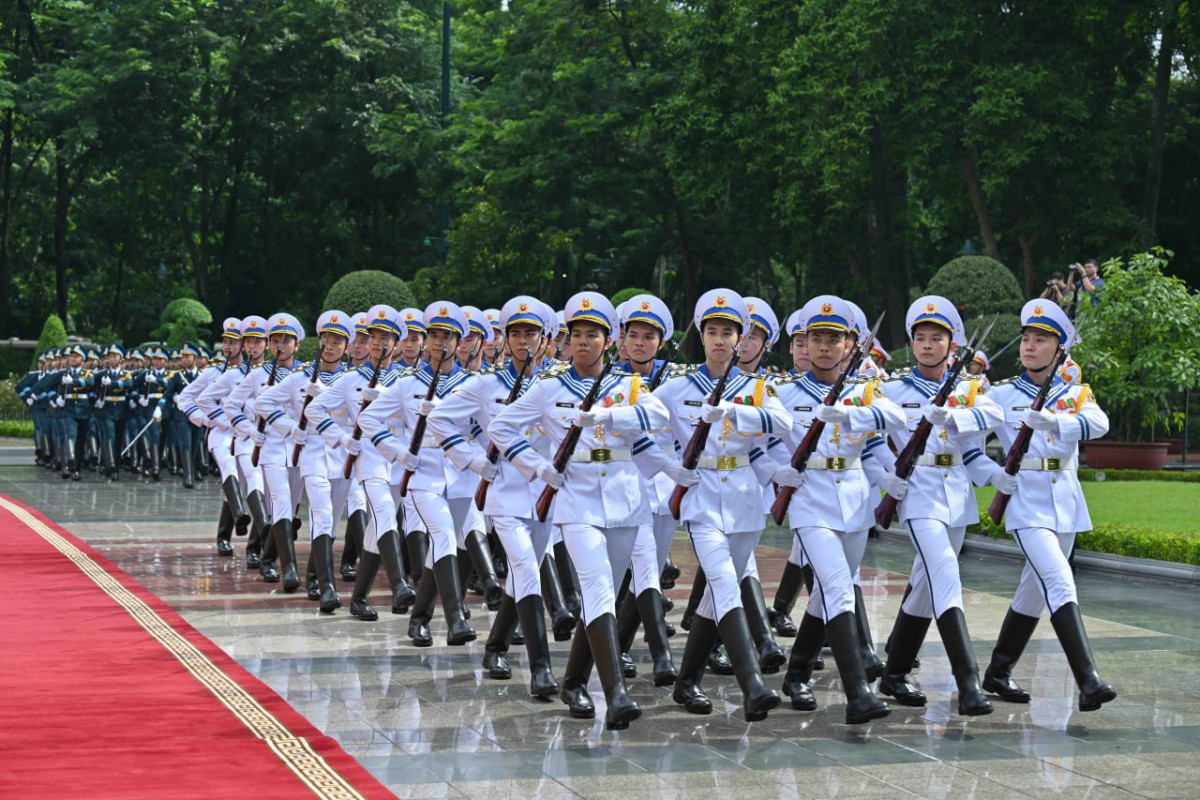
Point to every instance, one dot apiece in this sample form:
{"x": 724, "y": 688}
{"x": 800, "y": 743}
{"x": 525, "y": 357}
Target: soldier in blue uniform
{"x": 112, "y": 384}
{"x": 24, "y": 389}
{"x": 183, "y": 433}
{"x": 75, "y": 403}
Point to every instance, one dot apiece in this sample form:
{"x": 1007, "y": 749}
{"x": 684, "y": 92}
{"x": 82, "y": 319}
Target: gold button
{"x": 724, "y": 479}
{"x": 602, "y": 473}
{"x": 1054, "y": 480}
{"x": 946, "y": 474}
{"x": 837, "y": 480}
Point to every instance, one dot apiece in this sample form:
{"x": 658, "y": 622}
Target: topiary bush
{"x": 54, "y": 334}
{"x": 625, "y": 294}
{"x": 1007, "y": 328}
{"x": 358, "y": 291}
{"x": 979, "y": 286}
{"x": 182, "y": 330}
{"x": 186, "y": 308}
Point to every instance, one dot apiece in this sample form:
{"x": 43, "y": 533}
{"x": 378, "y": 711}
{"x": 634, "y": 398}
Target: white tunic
{"x": 282, "y": 405}
{"x": 334, "y": 414}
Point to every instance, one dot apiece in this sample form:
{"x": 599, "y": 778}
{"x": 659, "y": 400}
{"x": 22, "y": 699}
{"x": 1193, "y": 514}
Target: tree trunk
{"x": 979, "y": 203}
{"x": 886, "y": 245}
{"x": 6, "y": 203}
{"x": 1158, "y": 126}
{"x": 1027, "y": 242}
{"x": 62, "y": 209}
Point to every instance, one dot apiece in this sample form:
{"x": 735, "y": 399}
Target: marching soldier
{"x": 182, "y": 431}
{"x": 75, "y": 403}
{"x": 112, "y": 408}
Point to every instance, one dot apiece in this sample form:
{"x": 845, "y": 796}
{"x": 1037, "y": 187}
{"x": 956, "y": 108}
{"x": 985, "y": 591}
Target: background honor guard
{"x": 510, "y": 497}
{"x": 75, "y": 403}
{"x": 937, "y": 502}
{"x": 722, "y": 509}
{"x": 1047, "y": 507}
{"x": 493, "y": 353}
{"x": 184, "y": 436}
{"x": 601, "y": 503}
{"x": 335, "y": 415}
{"x": 113, "y": 383}
{"x": 833, "y": 506}
{"x": 320, "y": 467}
{"x": 391, "y": 424}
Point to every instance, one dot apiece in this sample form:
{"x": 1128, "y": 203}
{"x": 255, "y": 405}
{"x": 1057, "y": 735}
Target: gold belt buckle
{"x": 601, "y": 455}
{"x": 835, "y": 463}
{"x": 726, "y": 463}
{"x": 1052, "y": 464}
{"x": 944, "y": 459}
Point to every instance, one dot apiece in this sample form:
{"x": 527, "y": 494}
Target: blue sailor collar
{"x": 922, "y": 384}
{"x": 580, "y": 386}
{"x": 447, "y": 382}
{"x": 704, "y": 381}
{"x": 1058, "y": 387}
{"x": 508, "y": 375}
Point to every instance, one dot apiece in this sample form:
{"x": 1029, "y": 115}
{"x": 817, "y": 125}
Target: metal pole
{"x": 1187, "y": 417}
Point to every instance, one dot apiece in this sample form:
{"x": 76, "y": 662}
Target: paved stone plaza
{"x": 429, "y": 725}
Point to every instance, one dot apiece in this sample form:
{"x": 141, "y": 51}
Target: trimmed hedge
{"x": 1173, "y": 476}
{"x": 356, "y": 292}
{"x": 16, "y": 429}
{"x": 979, "y": 286}
{"x": 1121, "y": 540}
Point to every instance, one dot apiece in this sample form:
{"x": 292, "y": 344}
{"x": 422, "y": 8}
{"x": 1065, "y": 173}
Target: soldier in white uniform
{"x": 510, "y": 498}
{"x": 833, "y": 506}
{"x": 1047, "y": 508}
{"x": 319, "y": 466}
{"x": 722, "y": 509}
{"x": 334, "y": 415}
{"x": 389, "y": 423}
{"x": 601, "y": 502}
{"x": 937, "y": 502}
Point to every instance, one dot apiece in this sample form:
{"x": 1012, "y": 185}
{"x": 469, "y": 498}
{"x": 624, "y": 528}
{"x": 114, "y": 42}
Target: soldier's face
{"x": 719, "y": 338}
{"x": 158, "y": 363}
{"x": 523, "y": 340}
{"x": 975, "y": 368}
{"x": 1037, "y": 348}
{"x": 254, "y": 347}
{"x": 379, "y": 343}
{"x": 112, "y": 361}
{"x": 412, "y": 345}
{"x": 799, "y": 351}
{"x": 441, "y": 342}
{"x": 360, "y": 346}
{"x": 827, "y": 348}
{"x": 588, "y": 342}
{"x": 231, "y": 346}
{"x": 642, "y": 341}
{"x": 333, "y": 347}
{"x": 930, "y": 344}
{"x": 469, "y": 345}
{"x": 756, "y": 342}
{"x": 189, "y": 361}
{"x": 74, "y": 361}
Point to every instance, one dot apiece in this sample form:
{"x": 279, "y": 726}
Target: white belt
{"x": 1038, "y": 464}
{"x": 834, "y": 464}
{"x": 723, "y": 463}
{"x": 600, "y": 455}
{"x": 939, "y": 460}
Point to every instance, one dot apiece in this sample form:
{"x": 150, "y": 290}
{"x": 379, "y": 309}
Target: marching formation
{"x": 545, "y": 460}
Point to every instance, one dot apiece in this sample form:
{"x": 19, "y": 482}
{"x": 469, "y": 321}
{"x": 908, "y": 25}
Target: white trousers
{"x": 834, "y": 557}
{"x": 526, "y": 542}
{"x": 650, "y": 551}
{"x": 412, "y": 520}
{"x": 381, "y": 511}
{"x": 1046, "y": 579}
{"x": 937, "y": 587}
{"x": 252, "y": 479}
{"x": 324, "y": 495}
{"x": 283, "y": 489}
{"x": 444, "y": 519}
{"x": 218, "y": 445}
{"x": 723, "y": 557}
{"x": 596, "y": 552}
{"x": 356, "y": 498}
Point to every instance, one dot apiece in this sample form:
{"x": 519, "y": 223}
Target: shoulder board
{"x": 491, "y": 369}
{"x": 784, "y": 380}
{"x": 621, "y": 373}
{"x": 554, "y": 371}
{"x": 679, "y": 370}
{"x": 1004, "y": 382}
{"x": 407, "y": 371}
{"x": 897, "y": 375}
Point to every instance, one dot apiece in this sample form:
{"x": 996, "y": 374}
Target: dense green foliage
{"x": 978, "y": 285}
{"x": 625, "y": 294}
{"x": 259, "y": 150}
{"x": 1177, "y": 476}
{"x": 360, "y": 290}
{"x": 53, "y": 335}
{"x": 16, "y": 429}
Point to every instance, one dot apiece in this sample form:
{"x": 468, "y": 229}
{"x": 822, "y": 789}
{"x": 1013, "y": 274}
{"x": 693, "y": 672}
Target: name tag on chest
{"x": 696, "y": 403}
{"x": 564, "y": 405}
{"x": 801, "y": 408}
{"x": 912, "y": 405}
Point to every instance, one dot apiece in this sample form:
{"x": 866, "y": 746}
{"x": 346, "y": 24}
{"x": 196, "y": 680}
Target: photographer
{"x": 1087, "y": 277}
{"x": 1056, "y": 290}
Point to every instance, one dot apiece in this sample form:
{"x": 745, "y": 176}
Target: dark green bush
{"x": 979, "y": 286}
{"x": 182, "y": 330}
{"x": 310, "y": 348}
{"x": 54, "y": 334}
{"x": 1121, "y": 540}
{"x": 625, "y": 294}
{"x": 1172, "y": 476}
{"x": 358, "y": 291}
{"x": 16, "y": 429}
{"x": 186, "y": 308}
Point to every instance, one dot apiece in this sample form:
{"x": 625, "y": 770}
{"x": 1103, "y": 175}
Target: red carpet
{"x": 109, "y": 693}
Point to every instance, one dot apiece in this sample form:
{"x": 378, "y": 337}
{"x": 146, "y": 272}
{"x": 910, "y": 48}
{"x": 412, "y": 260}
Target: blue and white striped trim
{"x": 452, "y": 441}
{"x": 643, "y": 417}
{"x": 877, "y": 415}
{"x": 325, "y": 423}
{"x": 756, "y": 454}
{"x": 274, "y": 416}
{"x": 972, "y": 455}
{"x": 765, "y": 419}
{"x": 516, "y": 449}
{"x": 979, "y": 418}
{"x": 1085, "y": 428}
{"x": 216, "y": 414}
{"x": 237, "y": 419}
{"x": 379, "y": 437}
{"x": 642, "y": 445}
{"x": 192, "y": 410}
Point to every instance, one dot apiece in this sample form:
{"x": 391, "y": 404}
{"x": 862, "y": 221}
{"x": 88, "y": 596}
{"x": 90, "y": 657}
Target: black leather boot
{"x": 270, "y": 554}
{"x": 700, "y": 641}
{"x": 1015, "y": 633}
{"x": 485, "y": 568}
{"x": 417, "y": 544}
{"x": 352, "y": 547}
{"x": 602, "y": 636}
{"x": 499, "y": 557}
{"x": 445, "y": 572}
{"x": 532, "y": 614}
{"x": 908, "y": 632}
{"x": 670, "y": 574}
{"x": 649, "y": 603}
{"x": 699, "y": 584}
{"x": 225, "y": 531}
{"x": 872, "y": 666}
{"x": 770, "y": 657}
{"x": 785, "y": 597}
{"x": 233, "y": 497}
{"x": 576, "y": 676}
{"x": 322, "y": 557}
{"x": 156, "y": 464}
{"x": 629, "y": 619}
{"x": 757, "y": 699}
{"x": 1068, "y": 624}
{"x": 495, "y": 649}
{"x": 797, "y": 680}
{"x": 259, "y": 522}
{"x": 285, "y": 545}
{"x": 952, "y": 625}
{"x": 189, "y": 469}
{"x": 718, "y": 660}
{"x": 562, "y": 621}
{"x": 360, "y": 605}
{"x": 861, "y": 705}
{"x": 403, "y": 595}
{"x": 568, "y": 579}
{"x": 422, "y": 611}
{"x": 109, "y": 458}
{"x": 311, "y": 585}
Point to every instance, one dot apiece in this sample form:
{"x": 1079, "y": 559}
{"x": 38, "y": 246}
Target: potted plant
{"x": 1140, "y": 346}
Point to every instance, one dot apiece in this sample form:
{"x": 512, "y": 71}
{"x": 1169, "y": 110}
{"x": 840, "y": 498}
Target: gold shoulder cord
{"x": 635, "y": 386}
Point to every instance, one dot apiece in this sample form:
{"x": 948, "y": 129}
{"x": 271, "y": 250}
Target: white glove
{"x": 157, "y": 413}
{"x": 370, "y": 393}
{"x": 299, "y": 435}
{"x": 410, "y": 461}
{"x": 787, "y": 475}
{"x": 426, "y": 407}
{"x": 1040, "y": 420}
{"x": 106, "y": 381}
{"x": 833, "y": 414}
{"x": 713, "y": 414}
{"x": 29, "y": 401}
{"x": 314, "y": 389}
{"x": 178, "y": 401}
{"x": 60, "y": 401}
{"x": 67, "y": 379}
{"x": 549, "y": 475}
{"x": 99, "y": 404}
{"x": 1004, "y": 483}
{"x": 894, "y": 485}
{"x": 150, "y": 379}
{"x": 352, "y": 446}
{"x": 143, "y": 402}
{"x": 681, "y": 475}
{"x": 483, "y": 468}
{"x": 596, "y": 416}
{"x": 258, "y": 437}
{"x": 935, "y": 414}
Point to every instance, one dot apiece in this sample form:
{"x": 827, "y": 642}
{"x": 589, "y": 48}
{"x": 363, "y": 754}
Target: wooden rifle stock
{"x": 303, "y": 419}
{"x": 1020, "y": 445}
{"x": 493, "y": 453}
{"x": 414, "y": 444}
{"x": 348, "y": 470}
{"x": 262, "y": 421}
{"x": 695, "y": 445}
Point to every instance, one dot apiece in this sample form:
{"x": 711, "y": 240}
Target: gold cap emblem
{"x": 827, "y": 308}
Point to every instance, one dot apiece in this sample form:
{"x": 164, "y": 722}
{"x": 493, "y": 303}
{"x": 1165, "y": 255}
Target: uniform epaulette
{"x": 406, "y": 371}
{"x": 784, "y": 380}
{"x": 1004, "y": 382}
{"x": 679, "y": 370}
{"x": 898, "y": 374}
{"x": 621, "y": 373}
{"x": 554, "y": 371}
{"x": 491, "y": 369}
